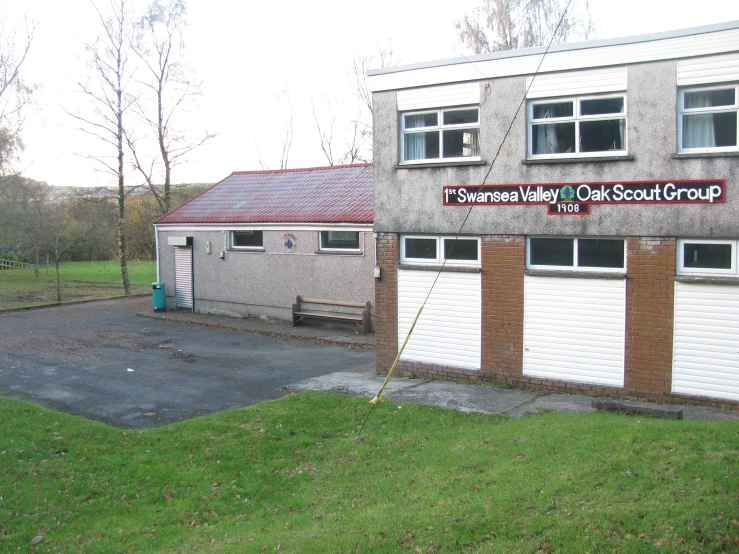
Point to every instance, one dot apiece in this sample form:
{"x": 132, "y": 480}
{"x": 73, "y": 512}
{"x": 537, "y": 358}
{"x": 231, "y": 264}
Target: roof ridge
{"x": 319, "y": 168}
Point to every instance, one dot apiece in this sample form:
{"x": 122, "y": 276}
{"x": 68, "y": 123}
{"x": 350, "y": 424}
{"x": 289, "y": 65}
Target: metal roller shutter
{"x": 706, "y": 341}
{"x": 183, "y": 298}
{"x": 448, "y": 331}
{"x": 574, "y": 329}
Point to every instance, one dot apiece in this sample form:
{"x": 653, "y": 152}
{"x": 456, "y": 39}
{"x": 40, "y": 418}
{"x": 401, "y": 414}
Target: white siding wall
{"x": 439, "y": 97}
{"x": 606, "y": 79}
{"x": 448, "y": 331}
{"x": 708, "y": 69}
{"x": 574, "y": 329}
{"x": 706, "y": 349}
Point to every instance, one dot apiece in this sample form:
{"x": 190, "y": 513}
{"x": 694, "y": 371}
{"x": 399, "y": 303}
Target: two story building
{"x": 569, "y": 217}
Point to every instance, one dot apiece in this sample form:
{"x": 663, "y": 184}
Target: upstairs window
{"x": 575, "y": 127}
{"x": 707, "y": 119}
{"x": 707, "y": 257}
{"x": 338, "y": 240}
{"x": 581, "y": 254}
{"x": 247, "y": 240}
{"x": 441, "y": 135}
{"x": 434, "y": 250}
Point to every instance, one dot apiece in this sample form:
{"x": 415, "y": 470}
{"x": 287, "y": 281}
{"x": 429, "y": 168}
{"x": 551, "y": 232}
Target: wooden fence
{"x": 16, "y": 266}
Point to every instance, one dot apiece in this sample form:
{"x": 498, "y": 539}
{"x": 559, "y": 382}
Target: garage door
{"x": 574, "y": 329}
{"x": 183, "y": 297}
{"x": 448, "y": 331}
{"x": 706, "y": 342}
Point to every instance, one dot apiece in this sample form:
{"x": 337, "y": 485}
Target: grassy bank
{"x": 287, "y": 476}
{"x": 80, "y": 281}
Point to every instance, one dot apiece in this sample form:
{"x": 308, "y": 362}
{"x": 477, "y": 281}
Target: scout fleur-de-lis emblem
{"x": 567, "y": 193}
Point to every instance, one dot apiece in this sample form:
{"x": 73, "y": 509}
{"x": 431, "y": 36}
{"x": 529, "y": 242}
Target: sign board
{"x": 576, "y": 198}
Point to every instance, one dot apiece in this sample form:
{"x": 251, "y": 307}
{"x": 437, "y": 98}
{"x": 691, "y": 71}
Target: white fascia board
{"x": 191, "y": 228}
{"x": 705, "y": 44}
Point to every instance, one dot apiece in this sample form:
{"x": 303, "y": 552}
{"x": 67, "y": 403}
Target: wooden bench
{"x": 363, "y": 319}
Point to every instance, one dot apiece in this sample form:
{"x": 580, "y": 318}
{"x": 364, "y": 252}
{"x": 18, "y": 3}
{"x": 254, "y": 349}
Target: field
{"x": 288, "y": 476}
{"x": 80, "y": 281}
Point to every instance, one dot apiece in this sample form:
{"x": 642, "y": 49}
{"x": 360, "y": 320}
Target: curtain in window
{"x": 415, "y": 146}
{"x": 698, "y": 130}
{"x": 546, "y": 138}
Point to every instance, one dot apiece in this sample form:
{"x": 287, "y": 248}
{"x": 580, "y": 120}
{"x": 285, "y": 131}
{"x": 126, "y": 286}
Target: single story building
{"x": 253, "y": 242}
{"x": 576, "y": 212}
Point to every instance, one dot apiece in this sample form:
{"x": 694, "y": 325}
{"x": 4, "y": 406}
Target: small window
{"x": 339, "y": 240}
{"x": 707, "y": 256}
{"x": 441, "y": 135}
{"x": 587, "y": 126}
{"x": 247, "y": 239}
{"x": 439, "y": 250}
{"x": 584, "y": 254}
{"x": 707, "y": 119}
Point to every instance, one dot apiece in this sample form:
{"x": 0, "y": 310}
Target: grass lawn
{"x": 287, "y": 476}
{"x": 80, "y": 281}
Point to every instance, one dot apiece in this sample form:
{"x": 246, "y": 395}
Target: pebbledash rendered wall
{"x": 244, "y": 283}
{"x": 409, "y": 200}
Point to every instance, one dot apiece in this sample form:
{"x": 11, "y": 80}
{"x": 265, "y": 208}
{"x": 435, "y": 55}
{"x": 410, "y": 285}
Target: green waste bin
{"x": 158, "y": 298}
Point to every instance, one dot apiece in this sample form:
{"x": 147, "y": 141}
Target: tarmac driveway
{"x": 100, "y": 361}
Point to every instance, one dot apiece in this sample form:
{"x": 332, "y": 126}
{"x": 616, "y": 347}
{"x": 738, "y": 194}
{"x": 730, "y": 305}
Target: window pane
{"x": 707, "y": 256}
{"x": 462, "y": 249}
{"x": 559, "y": 109}
{"x": 600, "y": 253}
{"x": 414, "y": 121}
{"x": 602, "y": 106}
{"x": 420, "y": 248}
{"x": 602, "y": 136}
{"x": 552, "y": 252}
{"x": 348, "y": 240}
{"x": 458, "y": 117}
{"x": 421, "y": 146}
{"x": 709, "y": 130}
{"x": 247, "y": 239}
{"x": 460, "y": 143}
{"x": 709, "y": 98}
{"x": 558, "y": 138}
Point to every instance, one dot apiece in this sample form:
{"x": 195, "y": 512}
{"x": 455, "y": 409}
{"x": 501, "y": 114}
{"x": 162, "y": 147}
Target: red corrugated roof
{"x": 335, "y": 194}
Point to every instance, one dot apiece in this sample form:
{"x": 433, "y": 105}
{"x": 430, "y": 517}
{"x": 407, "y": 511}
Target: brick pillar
{"x": 386, "y": 300}
{"x": 650, "y": 292}
{"x": 503, "y": 264}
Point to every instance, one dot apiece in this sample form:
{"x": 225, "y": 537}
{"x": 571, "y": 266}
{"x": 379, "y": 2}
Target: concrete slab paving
{"x": 465, "y": 398}
{"x": 560, "y": 403}
{"x": 354, "y": 383}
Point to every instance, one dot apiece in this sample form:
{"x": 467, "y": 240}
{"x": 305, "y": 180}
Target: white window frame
{"x": 232, "y": 246}
{"x": 682, "y": 270}
{"x": 681, "y": 111}
{"x": 576, "y": 118}
{"x": 440, "y": 128}
{"x": 575, "y": 266}
{"x": 439, "y": 260}
{"x": 321, "y": 248}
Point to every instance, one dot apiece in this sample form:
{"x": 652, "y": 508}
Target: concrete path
{"x": 491, "y": 400}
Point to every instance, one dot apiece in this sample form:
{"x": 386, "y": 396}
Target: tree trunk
{"x": 58, "y": 282}
{"x": 121, "y": 190}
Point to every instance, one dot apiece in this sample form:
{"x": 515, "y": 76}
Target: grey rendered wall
{"x": 266, "y": 283}
{"x": 410, "y": 200}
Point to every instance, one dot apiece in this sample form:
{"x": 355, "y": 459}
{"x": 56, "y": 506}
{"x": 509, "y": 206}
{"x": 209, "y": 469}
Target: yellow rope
{"x": 378, "y": 399}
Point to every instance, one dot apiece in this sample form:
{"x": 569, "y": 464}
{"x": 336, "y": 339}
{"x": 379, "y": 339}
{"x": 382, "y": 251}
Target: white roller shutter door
{"x": 183, "y": 297}
{"x": 706, "y": 342}
{"x": 574, "y": 329}
{"x": 448, "y": 331}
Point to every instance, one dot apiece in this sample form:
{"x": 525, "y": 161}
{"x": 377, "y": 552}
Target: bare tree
{"x": 109, "y": 103}
{"x": 15, "y": 94}
{"x": 325, "y": 131}
{"x": 286, "y": 107}
{"x": 169, "y": 91}
{"x": 498, "y": 25}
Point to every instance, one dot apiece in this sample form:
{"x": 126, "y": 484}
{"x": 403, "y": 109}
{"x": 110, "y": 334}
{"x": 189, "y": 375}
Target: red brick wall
{"x": 386, "y": 300}
{"x": 503, "y": 264}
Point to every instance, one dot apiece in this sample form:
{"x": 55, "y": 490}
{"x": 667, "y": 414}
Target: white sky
{"x": 246, "y": 52}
